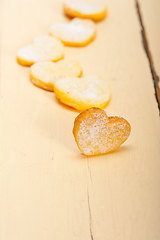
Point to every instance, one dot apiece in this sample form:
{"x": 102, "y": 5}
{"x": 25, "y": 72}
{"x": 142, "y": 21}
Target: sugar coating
{"x": 85, "y": 7}
{"x": 83, "y": 93}
{"x": 99, "y": 134}
{"x": 76, "y": 31}
{"x": 47, "y": 87}
{"x": 43, "y": 48}
{"x": 46, "y": 72}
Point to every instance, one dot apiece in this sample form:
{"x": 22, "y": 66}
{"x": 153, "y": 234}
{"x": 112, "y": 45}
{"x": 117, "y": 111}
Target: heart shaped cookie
{"x": 85, "y": 9}
{"x": 76, "y": 33}
{"x": 96, "y": 133}
{"x": 83, "y": 93}
{"x": 43, "y": 48}
{"x": 44, "y": 74}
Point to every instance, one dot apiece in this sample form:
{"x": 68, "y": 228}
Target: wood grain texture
{"x": 151, "y": 15}
{"x": 49, "y": 190}
{"x": 155, "y": 77}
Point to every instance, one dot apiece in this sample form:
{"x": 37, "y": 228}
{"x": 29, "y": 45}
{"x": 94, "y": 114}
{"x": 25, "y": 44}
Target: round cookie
{"x": 43, "y": 48}
{"x": 76, "y": 33}
{"x": 83, "y": 93}
{"x": 96, "y": 133}
{"x": 43, "y": 74}
{"x": 85, "y": 9}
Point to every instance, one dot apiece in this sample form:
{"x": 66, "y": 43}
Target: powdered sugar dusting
{"x": 27, "y": 53}
{"x": 85, "y": 7}
{"x": 97, "y": 135}
{"x": 43, "y": 48}
{"x": 76, "y": 31}
{"x": 49, "y": 72}
{"x": 90, "y": 91}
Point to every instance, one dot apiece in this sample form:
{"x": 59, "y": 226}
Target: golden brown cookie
{"x": 44, "y": 74}
{"x": 43, "y": 48}
{"x": 83, "y": 93}
{"x": 96, "y": 133}
{"x": 85, "y": 9}
{"x": 76, "y": 33}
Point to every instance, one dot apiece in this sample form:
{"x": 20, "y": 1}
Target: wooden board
{"x": 151, "y": 16}
{"x": 147, "y": 7}
{"x": 49, "y": 190}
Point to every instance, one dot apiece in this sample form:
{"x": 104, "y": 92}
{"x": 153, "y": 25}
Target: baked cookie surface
{"x": 83, "y": 93}
{"x": 76, "y": 33}
{"x": 43, "y": 48}
{"x": 85, "y": 9}
{"x": 96, "y": 133}
{"x": 43, "y": 74}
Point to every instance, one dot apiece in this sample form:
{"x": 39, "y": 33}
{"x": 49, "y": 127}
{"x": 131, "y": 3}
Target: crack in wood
{"x": 155, "y": 77}
{"x": 90, "y": 218}
{"x": 89, "y": 170}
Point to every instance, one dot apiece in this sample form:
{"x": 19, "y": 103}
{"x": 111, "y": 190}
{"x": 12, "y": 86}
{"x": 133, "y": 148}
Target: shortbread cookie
{"x": 77, "y": 33}
{"x": 44, "y": 74}
{"x": 96, "y": 133}
{"x": 83, "y": 93}
{"x": 85, "y": 9}
{"x": 43, "y": 48}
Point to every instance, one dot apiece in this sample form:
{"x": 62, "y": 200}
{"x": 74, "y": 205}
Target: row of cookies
{"x": 76, "y": 33}
{"x": 63, "y": 77}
